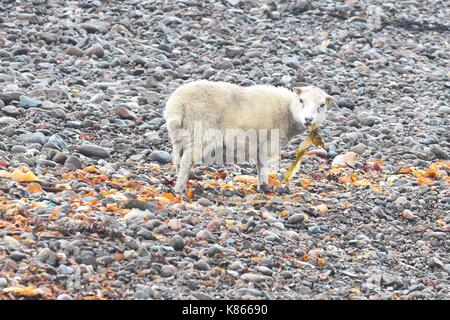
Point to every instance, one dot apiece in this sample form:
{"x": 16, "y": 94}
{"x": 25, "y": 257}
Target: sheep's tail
{"x": 174, "y": 119}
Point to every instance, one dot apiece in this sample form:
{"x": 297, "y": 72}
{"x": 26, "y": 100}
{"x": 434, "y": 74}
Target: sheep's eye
{"x": 322, "y": 106}
{"x": 301, "y": 101}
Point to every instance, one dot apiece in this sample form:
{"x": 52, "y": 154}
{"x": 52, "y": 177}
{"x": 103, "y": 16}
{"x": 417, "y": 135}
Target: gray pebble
{"x": 93, "y": 151}
{"x": 28, "y": 102}
{"x": 177, "y": 243}
{"x": 160, "y": 156}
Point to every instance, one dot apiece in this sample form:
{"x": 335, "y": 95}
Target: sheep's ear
{"x": 329, "y": 100}
{"x": 297, "y": 90}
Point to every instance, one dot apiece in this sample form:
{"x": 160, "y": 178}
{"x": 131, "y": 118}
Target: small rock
{"x": 401, "y": 200}
{"x": 65, "y": 270}
{"x": 64, "y": 296}
{"x": 234, "y": 51}
{"x": 202, "y": 296}
{"x": 296, "y": 218}
{"x": 95, "y": 49}
{"x": 73, "y": 163}
{"x": 129, "y": 254}
{"x": 205, "y": 202}
{"x": 140, "y": 295}
{"x": 18, "y": 256}
{"x": 213, "y": 225}
{"x": 214, "y": 250}
{"x": 202, "y": 265}
{"x": 434, "y": 262}
{"x": 236, "y": 266}
{"x": 86, "y": 257}
{"x": 138, "y": 204}
{"x": 348, "y": 158}
{"x": 377, "y": 211}
{"x": 93, "y": 27}
{"x": 160, "y": 156}
{"x": 4, "y": 53}
{"x": 438, "y": 153}
{"x": 292, "y": 62}
{"x": 369, "y": 121}
{"x": 136, "y": 213}
{"x": 408, "y": 215}
{"x": 37, "y": 137}
{"x": 20, "y": 51}
{"x": 167, "y": 270}
{"x": 11, "y": 243}
{"x": 321, "y": 208}
{"x": 264, "y": 270}
{"x": 253, "y": 277}
{"x": 8, "y": 121}
{"x": 3, "y": 283}
{"x": 124, "y": 113}
{"x": 291, "y": 234}
{"x": 314, "y": 229}
{"x": 359, "y": 148}
{"x": 247, "y": 292}
{"x": 203, "y": 235}
{"x": 8, "y": 97}
{"x": 18, "y": 149}
{"x": 146, "y": 234}
{"x": 27, "y": 102}
{"x": 98, "y": 98}
{"x": 11, "y": 111}
{"x": 346, "y": 103}
{"x": 286, "y": 274}
{"x": 46, "y": 255}
{"x": 57, "y": 142}
{"x": 321, "y": 153}
{"x": 174, "y": 224}
{"x": 177, "y": 243}
{"x": 74, "y": 51}
{"x": 224, "y": 64}
{"x": 156, "y": 123}
{"x": 93, "y": 150}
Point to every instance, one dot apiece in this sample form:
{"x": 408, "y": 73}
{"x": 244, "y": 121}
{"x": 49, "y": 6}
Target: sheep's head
{"x": 310, "y": 105}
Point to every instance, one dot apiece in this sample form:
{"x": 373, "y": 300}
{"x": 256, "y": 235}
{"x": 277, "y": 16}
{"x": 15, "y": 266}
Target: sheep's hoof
{"x": 179, "y": 188}
{"x": 264, "y": 188}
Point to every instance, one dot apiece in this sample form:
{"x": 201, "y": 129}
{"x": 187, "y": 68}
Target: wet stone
{"x": 93, "y": 150}
{"x": 28, "y": 102}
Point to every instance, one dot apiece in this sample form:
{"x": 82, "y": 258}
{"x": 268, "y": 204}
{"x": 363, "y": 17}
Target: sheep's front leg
{"x": 262, "y": 168}
{"x": 183, "y": 172}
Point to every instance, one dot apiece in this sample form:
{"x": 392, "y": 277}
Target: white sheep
{"x": 209, "y": 121}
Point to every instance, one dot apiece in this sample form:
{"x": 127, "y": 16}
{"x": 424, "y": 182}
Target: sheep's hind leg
{"x": 183, "y": 172}
{"x": 176, "y": 156}
{"x": 262, "y": 168}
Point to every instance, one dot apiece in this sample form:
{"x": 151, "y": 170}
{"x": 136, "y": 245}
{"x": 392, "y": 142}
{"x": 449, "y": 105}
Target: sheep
{"x": 200, "y": 116}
